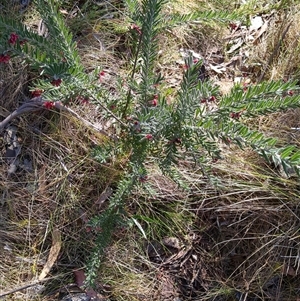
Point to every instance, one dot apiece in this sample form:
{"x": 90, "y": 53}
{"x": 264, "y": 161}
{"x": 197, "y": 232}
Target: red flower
{"x": 48, "y": 105}
{"x": 149, "y": 137}
{"x": 13, "y": 38}
{"x": 23, "y": 42}
{"x": 203, "y": 100}
{"x": 136, "y": 28}
{"x": 56, "y": 82}
{"x": 143, "y": 178}
{"x": 235, "y": 115}
{"x": 291, "y": 93}
{"x": 137, "y": 126}
{"x": 85, "y": 101}
{"x": 245, "y": 87}
{"x": 113, "y": 107}
{"x": 101, "y": 74}
{"x": 175, "y": 141}
{"x": 4, "y": 58}
{"x": 233, "y": 26}
{"x": 154, "y": 101}
{"x": 36, "y": 93}
{"x": 195, "y": 61}
{"x": 82, "y": 100}
{"x": 212, "y": 98}
{"x": 226, "y": 140}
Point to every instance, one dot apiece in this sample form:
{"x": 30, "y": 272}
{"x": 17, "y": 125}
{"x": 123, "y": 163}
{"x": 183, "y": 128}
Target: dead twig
{"x": 33, "y": 283}
{"x": 23, "y": 287}
{"x": 36, "y": 104}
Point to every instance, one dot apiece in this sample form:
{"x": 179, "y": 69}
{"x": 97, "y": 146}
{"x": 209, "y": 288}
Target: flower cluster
{"x": 233, "y": 26}
{"x": 176, "y": 141}
{"x": 101, "y": 75}
{"x": 154, "y": 101}
{"x": 136, "y": 28}
{"x": 83, "y": 100}
{"x": 137, "y": 126}
{"x": 56, "y": 82}
{"x": 235, "y": 115}
{"x": 185, "y": 66}
{"x": 143, "y": 178}
{"x": 148, "y": 136}
{"x": 209, "y": 99}
{"x": 22, "y": 42}
{"x": 4, "y": 58}
{"x": 13, "y": 38}
{"x": 49, "y": 105}
{"x": 36, "y": 93}
{"x": 245, "y": 86}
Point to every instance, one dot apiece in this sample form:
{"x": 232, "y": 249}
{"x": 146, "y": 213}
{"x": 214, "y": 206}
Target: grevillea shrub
{"x": 148, "y": 126}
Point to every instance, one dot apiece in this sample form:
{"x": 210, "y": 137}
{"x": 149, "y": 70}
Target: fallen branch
{"x": 31, "y": 106}
{"x": 32, "y": 283}
{"x": 21, "y": 288}
{"x": 36, "y": 104}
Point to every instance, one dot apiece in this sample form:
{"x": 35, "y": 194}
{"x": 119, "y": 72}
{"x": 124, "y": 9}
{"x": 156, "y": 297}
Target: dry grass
{"x": 59, "y": 191}
{"x": 238, "y": 229}
{"x": 277, "y": 51}
{"x": 239, "y": 239}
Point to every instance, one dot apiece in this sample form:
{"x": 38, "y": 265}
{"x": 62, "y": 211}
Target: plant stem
{"x": 132, "y": 75}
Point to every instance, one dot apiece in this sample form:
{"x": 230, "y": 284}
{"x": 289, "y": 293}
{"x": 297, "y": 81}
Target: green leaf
{"x": 287, "y": 151}
{"x": 295, "y": 158}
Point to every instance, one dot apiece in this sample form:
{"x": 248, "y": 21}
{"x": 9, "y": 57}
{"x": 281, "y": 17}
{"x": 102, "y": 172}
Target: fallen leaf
{"x": 172, "y": 242}
{"x": 218, "y": 69}
{"x": 256, "y": 23}
{"x": 260, "y": 33}
{"x": 79, "y": 280}
{"x": 289, "y": 270}
{"x": 79, "y": 277}
{"x": 235, "y": 61}
{"x": 104, "y": 196}
{"x": 53, "y": 254}
{"x": 238, "y": 43}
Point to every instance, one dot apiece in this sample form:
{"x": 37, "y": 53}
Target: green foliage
{"x": 105, "y": 224}
{"x": 151, "y": 10}
{"x": 199, "y": 16}
{"x": 58, "y": 33}
{"x": 261, "y": 99}
{"x": 133, "y": 10}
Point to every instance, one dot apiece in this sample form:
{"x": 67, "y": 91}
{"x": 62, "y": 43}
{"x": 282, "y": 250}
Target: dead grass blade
{"x": 53, "y": 254}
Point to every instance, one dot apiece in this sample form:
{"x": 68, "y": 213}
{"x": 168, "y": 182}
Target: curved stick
{"x": 36, "y": 104}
